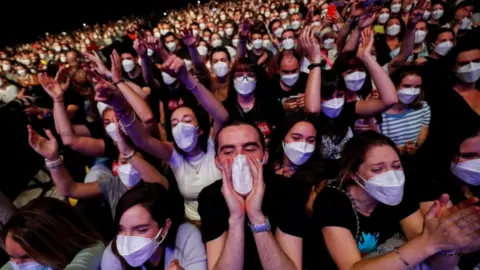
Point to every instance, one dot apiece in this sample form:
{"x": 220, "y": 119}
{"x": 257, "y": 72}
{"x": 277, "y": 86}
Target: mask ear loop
{"x": 158, "y": 235}
{"x": 362, "y": 186}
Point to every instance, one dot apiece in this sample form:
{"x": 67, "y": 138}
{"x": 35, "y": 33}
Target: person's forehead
{"x": 304, "y": 128}
{"x": 471, "y": 145}
{"x": 469, "y": 55}
{"x": 379, "y": 154}
{"x": 238, "y": 135}
{"x": 289, "y": 61}
{"x": 219, "y": 55}
{"x": 134, "y": 216}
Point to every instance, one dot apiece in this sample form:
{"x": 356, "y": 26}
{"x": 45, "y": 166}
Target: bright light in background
{"x": 164, "y": 14}
{"x": 46, "y": 34}
{"x": 198, "y": 2}
{"x": 84, "y": 24}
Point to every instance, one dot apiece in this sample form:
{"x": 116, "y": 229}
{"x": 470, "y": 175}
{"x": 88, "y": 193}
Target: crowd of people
{"x": 279, "y": 134}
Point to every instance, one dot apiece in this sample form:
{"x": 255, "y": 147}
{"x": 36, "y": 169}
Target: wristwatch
{"x": 312, "y": 66}
{"x": 265, "y": 227}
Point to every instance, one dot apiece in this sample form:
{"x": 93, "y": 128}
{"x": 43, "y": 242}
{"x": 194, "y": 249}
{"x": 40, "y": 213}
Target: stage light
{"x": 84, "y": 24}
{"x": 164, "y": 14}
{"x": 198, "y": 2}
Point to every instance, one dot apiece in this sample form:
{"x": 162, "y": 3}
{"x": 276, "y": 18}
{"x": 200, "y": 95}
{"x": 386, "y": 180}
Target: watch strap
{"x": 265, "y": 227}
{"x": 312, "y": 66}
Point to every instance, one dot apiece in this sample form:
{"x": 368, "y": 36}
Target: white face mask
{"x": 469, "y": 73}
{"x": 6, "y": 67}
{"x": 167, "y": 79}
{"x": 267, "y": 14}
{"x": 355, "y": 80}
{"x": 315, "y": 24}
{"x": 28, "y": 266}
{"x": 466, "y": 23}
{"x": 229, "y": 31}
{"x": 216, "y": 43}
{"x": 443, "y": 48}
{"x": 426, "y": 15}
{"x": 235, "y": 42}
{"x": 383, "y": 18}
{"x": 207, "y": 39}
{"x": 408, "y": 8}
{"x": 112, "y": 131}
{"x": 267, "y": 44}
{"x": 58, "y": 48}
{"x": 328, "y": 43}
{"x": 128, "y": 65}
{"x": 223, "y": 17}
{"x": 291, "y": 11}
{"x": 28, "y": 61}
{"x": 408, "y": 95}
{"x": 386, "y": 187}
{"x": 221, "y": 33}
{"x": 220, "y": 68}
{"x": 185, "y": 136}
{"x": 241, "y": 176}
{"x": 395, "y": 8}
{"x": 202, "y": 26}
{"x": 157, "y": 34}
{"x": 163, "y": 32}
{"x": 1, "y": 83}
{"x": 333, "y": 107}
{"x": 420, "y": 36}
{"x": 288, "y": 44}
{"x": 171, "y": 46}
{"x": 468, "y": 171}
{"x": 437, "y": 14}
{"x": 290, "y": 79}
{"x": 244, "y": 85}
{"x": 324, "y": 12}
{"x": 150, "y": 52}
{"x": 298, "y": 152}
{"x": 257, "y": 44}
{"x": 128, "y": 175}
{"x": 202, "y": 50}
{"x": 283, "y": 15}
{"x": 278, "y": 32}
{"x": 195, "y": 33}
{"x": 296, "y": 25}
{"x": 137, "y": 250}
{"x": 393, "y": 30}
{"x": 22, "y": 72}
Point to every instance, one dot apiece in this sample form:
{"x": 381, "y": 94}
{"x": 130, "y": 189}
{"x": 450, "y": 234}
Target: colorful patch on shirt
{"x": 367, "y": 243}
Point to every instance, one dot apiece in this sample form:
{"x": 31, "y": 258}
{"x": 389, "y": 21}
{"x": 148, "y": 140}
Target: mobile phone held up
{"x": 332, "y": 10}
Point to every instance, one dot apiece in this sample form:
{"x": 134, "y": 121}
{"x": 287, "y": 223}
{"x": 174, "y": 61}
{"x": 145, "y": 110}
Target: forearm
{"x": 63, "y": 180}
{"x": 207, "y": 100}
{"x": 413, "y": 252}
{"x": 342, "y": 35}
{"x": 241, "y": 50}
{"x": 385, "y": 87}
{"x": 133, "y": 127}
{"x": 139, "y": 106}
{"x": 232, "y": 256}
{"x": 62, "y": 122}
{"x": 197, "y": 62}
{"x": 408, "y": 43}
{"x": 313, "y": 91}
{"x": 351, "y": 44}
{"x": 148, "y": 173}
{"x": 147, "y": 72}
{"x": 271, "y": 255}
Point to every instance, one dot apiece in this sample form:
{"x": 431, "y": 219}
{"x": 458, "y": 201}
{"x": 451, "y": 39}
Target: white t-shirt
{"x": 193, "y": 175}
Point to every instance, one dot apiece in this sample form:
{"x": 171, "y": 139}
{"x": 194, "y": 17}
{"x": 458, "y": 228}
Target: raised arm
{"x": 137, "y": 103}
{"x": 140, "y": 45}
{"x": 107, "y": 93}
{"x": 366, "y": 20}
{"x": 82, "y": 144}
{"x": 48, "y": 148}
{"x": 148, "y": 172}
{"x": 311, "y": 47}
{"x": 243, "y": 35}
{"x": 386, "y": 89}
{"x": 190, "y": 40}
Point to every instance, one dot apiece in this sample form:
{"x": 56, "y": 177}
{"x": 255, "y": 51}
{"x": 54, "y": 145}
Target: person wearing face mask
{"x": 191, "y": 154}
{"x": 406, "y": 123}
{"x": 295, "y": 154}
{"x": 462, "y": 21}
{"x": 8, "y": 71}
{"x": 174, "y": 46}
{"x": 246, "y": 102}
{"x": 25, "y": 78}
{"x": 162, "y": 241}
{"x": 216, "y": 40}
{"x": 221, "y": 63}
{"x": 296, "y": 23}
{"x": 248, "y": 194}
{"x": 50, "y": 234}
{"x": 383, "y": 16}
{"x": 289, "y": 84}
{"x": 258, "y": 53}
{"x": 276, "y": 29}
{"x": 420, "y": 50}
{"x": 364, "y": 206}
{"x": 458, "y": 176}
{"x": 8, "y": 91}
{"x": 438, "y": 9}
{"x": 396, "y": 6}
{"x": 394, "y": 29}
{"x": 339, "y": 111}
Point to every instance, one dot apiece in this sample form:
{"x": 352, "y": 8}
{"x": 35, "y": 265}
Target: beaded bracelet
{"x": 402, "y": 259}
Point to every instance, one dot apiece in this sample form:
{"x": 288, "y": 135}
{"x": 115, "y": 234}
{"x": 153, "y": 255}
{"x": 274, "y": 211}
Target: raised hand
{"x": 357, "y": 8}
{"x": 244, "y": 30}
{"x": 47, "y": 148}
{"x": 366, "y": 20}
{"x": 188, "y": 38}
{"x": 140, "y": 46}
{"x": 52, "y": 87}
{"x": 416, "y": 13}
{"x": 152, "y": 42}
{"x": 96, "y": 63}
{"x": 175, "y": 67}
{"x": 106, "y": 92}
{"x": 254, "y": 200}
{"x": 311, "y": 45}
{"x": 366, "y": 44}
{"x": 116, "y": 66}
{"x": 235, "y": 202}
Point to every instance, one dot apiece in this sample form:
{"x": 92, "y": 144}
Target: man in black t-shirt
{"x": 262, "y": 230}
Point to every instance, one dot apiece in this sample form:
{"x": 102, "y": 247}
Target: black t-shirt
{"x": 254, "y": 57}
{"x": 266, "y": 114}
{"x": 153, "y": 99}
{"x": 283, "y": 208}
{"x": 333, "y": 208}
{"x": 297, "y": 88}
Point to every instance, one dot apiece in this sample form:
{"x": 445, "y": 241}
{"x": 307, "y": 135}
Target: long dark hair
{"x": 203, "y": 120}
{"x": 308, "y": 174}
{"x": 355, "y": 150}
{"x": 51, "y": 231}
{"x": 159, "y": 203}
{"x": 348, "y": 60}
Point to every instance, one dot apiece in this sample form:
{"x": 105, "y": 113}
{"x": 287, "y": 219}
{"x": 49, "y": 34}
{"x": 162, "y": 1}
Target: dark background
{"x": 25, "y": 21}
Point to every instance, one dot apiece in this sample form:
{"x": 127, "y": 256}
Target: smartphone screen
{"x": 332, "y": 10}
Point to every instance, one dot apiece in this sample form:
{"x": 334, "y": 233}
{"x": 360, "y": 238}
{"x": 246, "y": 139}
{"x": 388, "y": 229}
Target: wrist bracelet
{"x": 130, "y": 156}
{"x": 129, "y": 124}
{"x": 116, "y": 83}
{"x": 54, "y": 163}
{"x": 402, "y": 259}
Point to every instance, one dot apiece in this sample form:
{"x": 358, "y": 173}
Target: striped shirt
{"x": 405, "y": 127}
